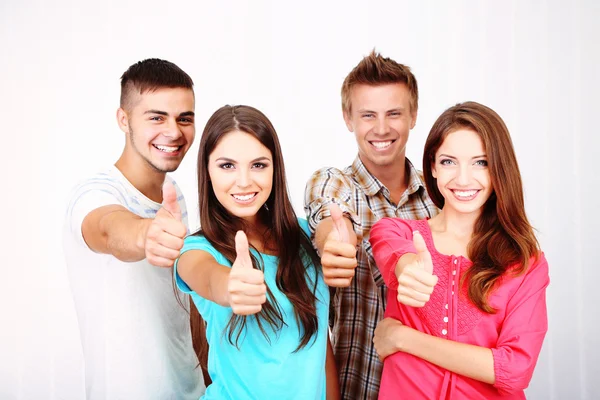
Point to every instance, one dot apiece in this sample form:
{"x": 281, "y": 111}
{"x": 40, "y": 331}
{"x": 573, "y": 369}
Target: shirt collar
{"x": 371, "y": 185}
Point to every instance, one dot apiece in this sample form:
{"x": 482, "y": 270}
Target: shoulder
{"x": 102, "y": 181}
{"x": 329, "y": 175}
{"x": 196, "y": 241}
{"x": 200, "y": 242}
{"x": 538, "y": 265}
{"x": 401, "y": 224}
{"x": 100, "y": 189}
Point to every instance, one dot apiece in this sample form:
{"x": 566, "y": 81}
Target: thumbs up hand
{"x": 246, "y": 287}
{"x": 165, "y": 234}
{"x": 170, "y": 203}
{"x": 339, "y": 255}
{"x": 340, "y": 230}
{"x": 415, "y": 275}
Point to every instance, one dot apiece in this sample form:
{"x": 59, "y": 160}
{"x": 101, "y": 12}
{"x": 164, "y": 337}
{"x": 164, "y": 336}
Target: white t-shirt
{"x": 136, "y": 338}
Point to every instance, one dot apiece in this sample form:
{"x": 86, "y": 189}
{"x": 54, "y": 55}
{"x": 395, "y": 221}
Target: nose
{"x": 463, "y": 177}
{"x": 243, "y": 179}
{"x": 172, "y": 130}
{"x": 382, "y": 127}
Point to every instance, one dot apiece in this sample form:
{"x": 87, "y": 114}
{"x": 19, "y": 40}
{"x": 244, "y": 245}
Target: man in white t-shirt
{"x": 124, "y": 229}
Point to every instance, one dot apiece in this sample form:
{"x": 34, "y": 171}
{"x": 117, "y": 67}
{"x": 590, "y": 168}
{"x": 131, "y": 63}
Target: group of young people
{"x": 397, "y": 284}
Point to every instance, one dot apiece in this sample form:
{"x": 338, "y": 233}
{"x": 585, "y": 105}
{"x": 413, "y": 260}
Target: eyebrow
{"x": 234, "y": 161}
{"x": 362, "y": 110}
{"x": 454, "y": 158}
{"x": 166, "y": 114}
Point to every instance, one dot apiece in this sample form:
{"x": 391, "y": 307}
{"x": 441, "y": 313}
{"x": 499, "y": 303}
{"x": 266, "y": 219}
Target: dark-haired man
{"x": 124, "y": 229}
{"x": 379, "y": 104}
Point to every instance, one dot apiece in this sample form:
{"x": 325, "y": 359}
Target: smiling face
{"x": 241, "y": 174}
{"x": 381, "y": 118}
{"x": 160, "y": 127}
{"x": 461, "y": 170}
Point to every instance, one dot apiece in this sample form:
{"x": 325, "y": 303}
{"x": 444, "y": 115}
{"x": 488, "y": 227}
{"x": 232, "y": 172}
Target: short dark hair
{"x": 150, "y": 75}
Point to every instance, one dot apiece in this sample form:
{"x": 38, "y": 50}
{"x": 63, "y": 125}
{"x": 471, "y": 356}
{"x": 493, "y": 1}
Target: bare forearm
{"x": 464, "y": 359}
{"x": 205, "y": 276}
{"x": 123, "y": 234}
{"x": 218, "y": 283}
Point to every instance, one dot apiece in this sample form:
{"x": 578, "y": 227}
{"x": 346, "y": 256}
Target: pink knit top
{"x": 514, "y": 333}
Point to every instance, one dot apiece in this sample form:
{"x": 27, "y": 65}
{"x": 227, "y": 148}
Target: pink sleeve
{"x": 390, "y": 239}
{"x": 523, "y": 331}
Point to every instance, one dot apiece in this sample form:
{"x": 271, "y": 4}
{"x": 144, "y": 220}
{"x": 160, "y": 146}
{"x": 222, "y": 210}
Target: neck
{"x": 460, "y": 225}
{"x": 257, "y": 234}
{"x": 394, "y": 177}
{"x": 143, "y": 177}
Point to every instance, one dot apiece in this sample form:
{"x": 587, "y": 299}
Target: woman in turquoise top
{"x": 252, "y": 272}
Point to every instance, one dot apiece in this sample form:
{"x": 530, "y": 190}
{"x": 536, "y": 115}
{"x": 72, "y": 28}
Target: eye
{"x": 226, "y": 166}
{"x": 186, "y": 120}
{"x": 156, "y": 118}
{"x": 481, "y": 163}
{"x": 395, "y": 114}
{"x": 259, "y": 165}
{"x": 446, "y": 161}
{"x": 368, "y": 115}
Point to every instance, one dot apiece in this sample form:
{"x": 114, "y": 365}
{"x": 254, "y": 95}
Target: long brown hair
{"x": 219, "y": 226}
{"x": 502, "y": 236}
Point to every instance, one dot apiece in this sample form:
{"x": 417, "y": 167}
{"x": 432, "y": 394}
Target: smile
{"x": 244, "y": 198}
{"x": 166, "y": 149}
{"x": 382, "y": 145}
{"x": 465, "y": 195}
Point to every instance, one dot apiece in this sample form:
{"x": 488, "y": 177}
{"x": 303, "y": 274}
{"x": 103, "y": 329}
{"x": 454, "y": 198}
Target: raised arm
{"x": 332, "y": 220}
{"x": 336, "y": 243}
{"x": 112, "y": 229}
{"x": 404, "y": 261}
{"x": 240, "y": 287}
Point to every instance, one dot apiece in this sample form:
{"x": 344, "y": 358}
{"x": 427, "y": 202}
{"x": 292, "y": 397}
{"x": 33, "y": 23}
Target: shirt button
{"x": 454, "y": 272}
{"x": 444, "y": 332}
{"x": 452, "y": 283}
{"x": 453, "y": 293}
{"x": 445, "y": 319}
{"x": 455, "y": 261}
{"x": 446, "y": 306}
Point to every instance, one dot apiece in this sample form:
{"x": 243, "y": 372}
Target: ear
{"x": 123, "y": 120}
{"x": 348, "y": 121}
{"x": 433, "y": 171}
{"x": 413, "y": 118}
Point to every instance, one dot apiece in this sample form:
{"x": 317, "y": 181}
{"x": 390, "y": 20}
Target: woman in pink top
{"x": 466, "y": 307}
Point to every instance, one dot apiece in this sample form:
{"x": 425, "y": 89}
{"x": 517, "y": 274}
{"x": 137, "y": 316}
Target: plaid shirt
{"x": 357, "y": 309}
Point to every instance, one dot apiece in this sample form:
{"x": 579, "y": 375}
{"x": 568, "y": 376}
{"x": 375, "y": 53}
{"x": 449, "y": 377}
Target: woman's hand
{"x": 387, "y": 339}
{"x": 246, "y": 288}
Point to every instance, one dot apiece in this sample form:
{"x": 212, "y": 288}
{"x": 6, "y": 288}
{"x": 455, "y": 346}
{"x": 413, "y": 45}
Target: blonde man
{"x": 379, "y": 104}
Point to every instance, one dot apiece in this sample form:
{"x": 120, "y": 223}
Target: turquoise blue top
{"x": 259, "y": 369}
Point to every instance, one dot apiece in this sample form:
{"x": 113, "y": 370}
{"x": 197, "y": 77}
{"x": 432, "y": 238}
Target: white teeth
{"x": 244, "y": 197}
{"x": 382, "y": 145}
{"x": 167, "y": 149}
{"x": 464, "y": 193}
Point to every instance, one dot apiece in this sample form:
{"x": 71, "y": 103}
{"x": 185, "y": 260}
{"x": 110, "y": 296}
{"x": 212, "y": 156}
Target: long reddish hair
{"x": 502, "y": 238}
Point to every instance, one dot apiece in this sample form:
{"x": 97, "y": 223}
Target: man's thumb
{"x": 169, "y": 202}
{"x": 338, "y": 223}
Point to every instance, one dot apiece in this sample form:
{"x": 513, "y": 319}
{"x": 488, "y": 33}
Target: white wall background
{"x": 535, "y": 62}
